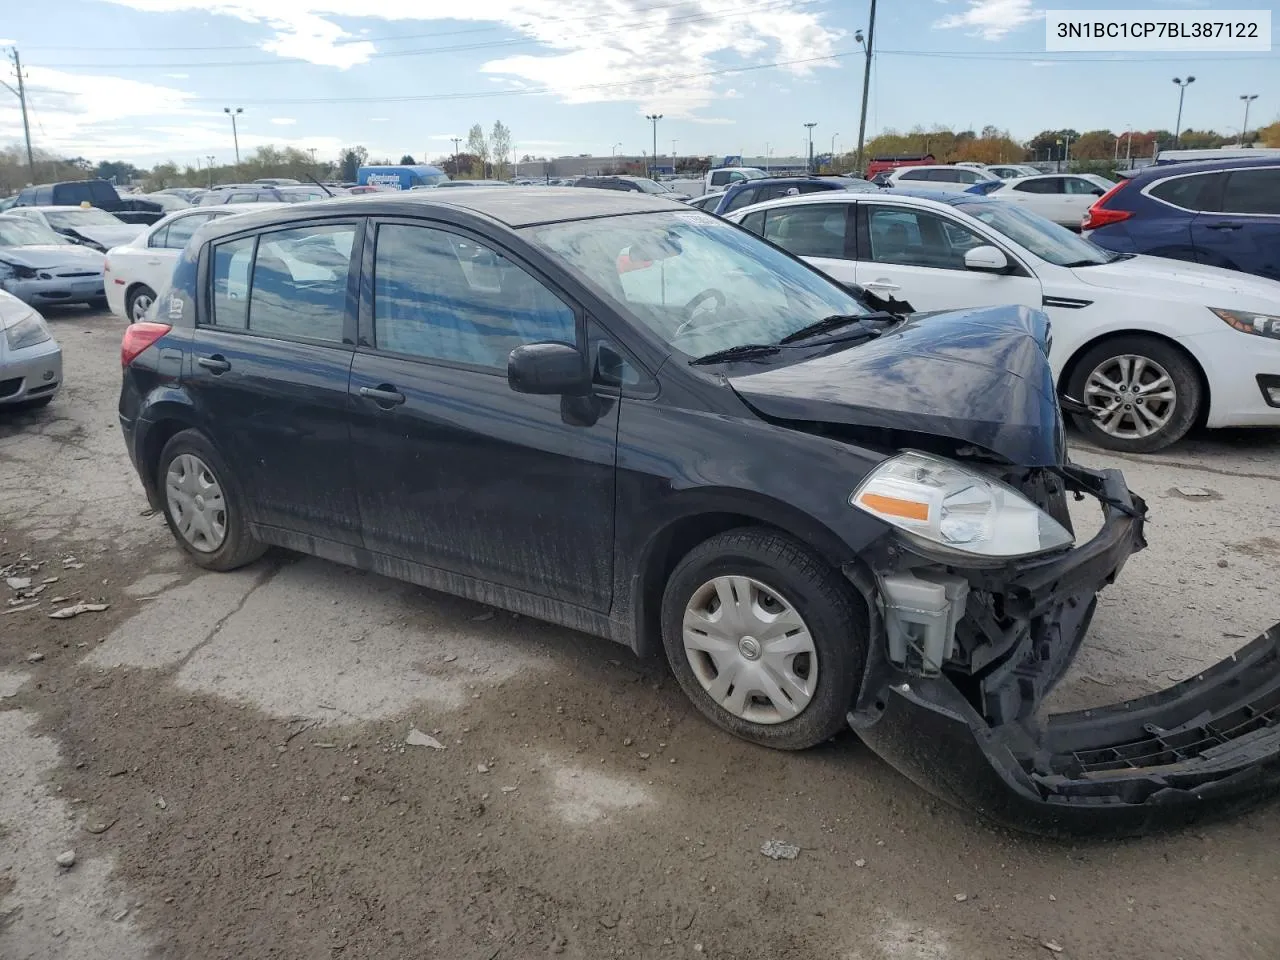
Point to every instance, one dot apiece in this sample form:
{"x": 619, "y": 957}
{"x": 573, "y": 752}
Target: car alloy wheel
{"x": 196, "y": 503}
{"x": 139, "y": 304}
{"x": 1133, "y": 396}
{"x": 750, "y": 649}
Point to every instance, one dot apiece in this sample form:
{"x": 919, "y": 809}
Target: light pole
{"x": 809, "y": 127}
{"x": 833, "y": 149}
{"x": 768, "y": 151}
{"x": 654, "y": 118}
{"x": 457, "y": 143}
{"x": 210, "y": 159}
{"x": 235, "y": 134}
{"x": 866, "y": 81}
{"x": 673, "y": 156}
{"x": 1182, "y": 92}
{"x": 1248, "y": 98}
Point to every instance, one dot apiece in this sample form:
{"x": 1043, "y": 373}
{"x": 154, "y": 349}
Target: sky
{"x": 148, "y": 80}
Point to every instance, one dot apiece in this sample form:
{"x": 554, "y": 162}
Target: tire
{"x": 235, "y": 547}
{"x": 139, "y": 295}
{"x": 826, "y": 605}
{"x": 1108, "y": 358}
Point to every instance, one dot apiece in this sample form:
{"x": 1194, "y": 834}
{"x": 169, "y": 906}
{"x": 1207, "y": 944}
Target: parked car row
{"x": 611, "y": 412}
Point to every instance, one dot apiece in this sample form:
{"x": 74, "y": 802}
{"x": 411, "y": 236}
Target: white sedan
{"x": 1153, "y": 346}
{"x": 137, "y": 271}
{"x": 1061, "y": 197}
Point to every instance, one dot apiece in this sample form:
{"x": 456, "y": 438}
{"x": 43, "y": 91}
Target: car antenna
{"x": 320, "y": 185}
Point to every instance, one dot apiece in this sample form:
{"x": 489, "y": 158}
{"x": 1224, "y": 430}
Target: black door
{"x": 269, "y": 369}
{"x": 455, "y": 470}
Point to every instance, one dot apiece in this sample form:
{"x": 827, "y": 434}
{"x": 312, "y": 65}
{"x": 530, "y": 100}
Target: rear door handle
{"x": 882, "y": 285}
{"x": 154, "y": 262}
{"x": 1223, "y": 226}
{"x": 384, "y": 395}
{"x": 216, "y": 364}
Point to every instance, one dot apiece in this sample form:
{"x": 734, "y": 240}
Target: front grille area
{"x": 9, "y": 387}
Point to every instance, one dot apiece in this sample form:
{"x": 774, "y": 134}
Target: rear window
{"x": 1198, "y": 192}
{"x": 1252, "y": 191}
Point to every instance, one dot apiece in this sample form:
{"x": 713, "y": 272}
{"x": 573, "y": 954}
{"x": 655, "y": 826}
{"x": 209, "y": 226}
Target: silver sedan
{"x": 42, "y": 267}
{"x": 30, "y": 359}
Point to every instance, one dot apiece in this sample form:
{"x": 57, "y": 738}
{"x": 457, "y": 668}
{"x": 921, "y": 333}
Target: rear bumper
{"x": 1206, "y": 747}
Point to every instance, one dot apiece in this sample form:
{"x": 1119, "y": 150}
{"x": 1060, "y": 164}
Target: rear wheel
{"x": 1145, "y": 394}
{"x": 203, "y": 505}
{"x": 138, "y": 302}
{"x": 766, "y": 638}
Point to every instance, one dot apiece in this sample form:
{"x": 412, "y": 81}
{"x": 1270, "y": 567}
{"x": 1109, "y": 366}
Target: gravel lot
{"x": 226, "y": 755}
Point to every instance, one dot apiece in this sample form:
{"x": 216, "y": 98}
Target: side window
{"x": 1191, "y": 193}
{"x": 158, "y": 238}
{"x": 300, "y": 282}
{"x": 720, "y": 178}
{"x": 967, "y": 176}
{"x": 1043, "y": 185}
{"x": 915, "y": 175}
{"x": 44, "y": 196}
{"x": 445, "y": 297}
{"x": 179, "y": 231}
{"x": 813, "y": 187}
{"x": 919, "y": 239}
{"x": 944, "y": 176}
{"x": 1079, "y": 186}
{"x": 754, "y": 222}
{"x": 72, "y": 194}
{"x": 743, "y": 198}
{"x": 811, "y": 230}
{"x": 231, "y": 263}
{"x": 1253, "y": 191}
{"x": 242, "y": 198}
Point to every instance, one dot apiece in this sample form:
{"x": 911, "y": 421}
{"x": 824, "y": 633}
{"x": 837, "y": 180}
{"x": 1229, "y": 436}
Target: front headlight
{"x": 1250, "y": 321}
{"x": 25, "y": 331}
{"x": 942, "y": 504}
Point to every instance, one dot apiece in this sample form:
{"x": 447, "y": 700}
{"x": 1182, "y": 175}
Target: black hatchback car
{"x": 615, "y": 413}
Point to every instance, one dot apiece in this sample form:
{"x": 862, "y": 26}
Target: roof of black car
{"x": 511, "y": 206}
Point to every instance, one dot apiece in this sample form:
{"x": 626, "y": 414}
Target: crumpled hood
{"x": 109, "y": 235}
{"x": 53, "y": 256}
{"x": 980, "y": 376}
{"x": 1180, "y": 280}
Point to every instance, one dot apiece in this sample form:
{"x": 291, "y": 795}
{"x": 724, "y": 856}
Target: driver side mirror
{"x": 1098, "y": 192}
{"x": 547, "y": 369}
{"x": 986, "y": 259}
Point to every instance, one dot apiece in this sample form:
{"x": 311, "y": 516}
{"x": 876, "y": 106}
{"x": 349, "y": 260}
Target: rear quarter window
{"x": 1199, "y": 192}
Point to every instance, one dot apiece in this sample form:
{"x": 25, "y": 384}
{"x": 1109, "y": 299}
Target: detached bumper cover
{"x": 1208, "y": 746}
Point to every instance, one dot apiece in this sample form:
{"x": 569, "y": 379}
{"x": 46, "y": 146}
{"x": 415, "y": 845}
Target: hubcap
{"x": 750, "y": 650}
{"x": 1132, "y": 397}
{"x": 141, "y": 304}
{"x": 196, "y": 503}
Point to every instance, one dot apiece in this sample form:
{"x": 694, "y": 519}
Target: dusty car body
{"x": 40, "y": 267}
{"x": 821, "y": 513}
{"x": 30, "y": 358}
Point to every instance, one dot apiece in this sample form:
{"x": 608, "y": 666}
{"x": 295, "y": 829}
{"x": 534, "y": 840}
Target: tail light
{"x": 139, "y": 336}
{"x": 1100, "y": 216}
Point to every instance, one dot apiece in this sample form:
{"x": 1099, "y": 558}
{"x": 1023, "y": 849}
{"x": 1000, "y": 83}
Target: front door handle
{"x": 154, "y": 262}
{"x": 882, "y": 285}
{"x": 384, "y": 395}
{"x": 1223, "y": 226}
{"x": 215, "y": 364}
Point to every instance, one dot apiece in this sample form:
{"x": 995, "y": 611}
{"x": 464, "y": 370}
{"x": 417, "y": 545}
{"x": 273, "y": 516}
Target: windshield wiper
{"x": 1087, "y": 263}
{"x": 744, "y": 351}
{"x": 870, "y": 321}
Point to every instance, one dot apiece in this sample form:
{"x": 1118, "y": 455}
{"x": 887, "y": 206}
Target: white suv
{"x": 939, "y": 177}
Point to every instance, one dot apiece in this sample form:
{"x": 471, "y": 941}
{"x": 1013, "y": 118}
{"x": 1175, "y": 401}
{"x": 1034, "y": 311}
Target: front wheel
{"x": 203, "y": 505}
{"x": 1145, "y": 394}
{"x": 766, "y": 638}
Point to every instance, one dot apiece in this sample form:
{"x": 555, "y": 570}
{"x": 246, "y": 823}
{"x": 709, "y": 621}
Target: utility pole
{"x": 866, "y": 83}
{"x": 235, "y": 134}
{"x": 21, "y": 94}
{"x": 457, "y": 143}
{"x": 1248, "y": 98}
{"x": 809, "y": 127}
{"x": 673, "y": 156}
{"x": 210, "y": 159}
{"x": 1182, "y": 92}
{"x": 654, "y": 118}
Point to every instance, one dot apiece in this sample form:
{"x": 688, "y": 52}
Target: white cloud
{"x": 178, "y": 76}
{"x": 640, "y": 50}
{"x": 991, "y": 19}
{"x": 379, "y": 119}
{"x": 283, "y": 121}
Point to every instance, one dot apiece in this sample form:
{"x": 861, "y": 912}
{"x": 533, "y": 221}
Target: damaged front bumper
{"x": 965, "y": 725}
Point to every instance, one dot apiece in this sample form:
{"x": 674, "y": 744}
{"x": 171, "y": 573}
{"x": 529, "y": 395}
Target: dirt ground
{"x": 226, "y": 756}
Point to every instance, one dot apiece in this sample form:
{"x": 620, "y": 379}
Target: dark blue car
{"x": 746, "y": 192}
{"x": 1225, "y": 213}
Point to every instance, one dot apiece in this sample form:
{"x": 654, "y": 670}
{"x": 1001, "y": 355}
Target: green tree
{"x": 117, "y": 170}
{"x": 500, "y": 143}
{"x": 1094, "y": 145}
{"x": 408, "y": 158}
{"x": 478, "y": 146}
{"x": 350, "y": 160}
